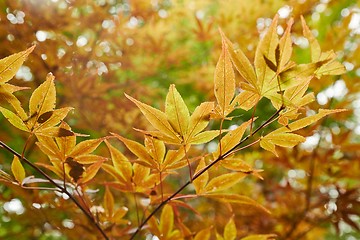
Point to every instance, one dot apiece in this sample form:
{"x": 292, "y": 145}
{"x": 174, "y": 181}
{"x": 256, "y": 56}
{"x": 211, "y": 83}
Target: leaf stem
{"x": 62, "y": 189}
{"x": 198, "y": 174}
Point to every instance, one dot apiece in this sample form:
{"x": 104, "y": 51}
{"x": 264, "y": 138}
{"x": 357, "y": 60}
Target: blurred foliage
{"x": 98, "y": 50}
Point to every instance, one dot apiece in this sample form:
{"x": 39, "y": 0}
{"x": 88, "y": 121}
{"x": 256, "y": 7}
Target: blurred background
{"x": 98, "y": 50}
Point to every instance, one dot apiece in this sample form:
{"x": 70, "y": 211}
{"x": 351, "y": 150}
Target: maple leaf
{"x": 176, "y": 126}
{"x": 43, "y": 117}
{"x": 165, "y": 226}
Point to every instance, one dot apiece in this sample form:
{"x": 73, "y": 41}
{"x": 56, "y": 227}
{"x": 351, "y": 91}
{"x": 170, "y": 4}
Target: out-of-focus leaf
{"x": 260, "y": 237}
{"x": 17, "y": 169}
{"x": 230, "y": 230}
{"x": 203, "y": 234}
{"x": 109, "y": 202}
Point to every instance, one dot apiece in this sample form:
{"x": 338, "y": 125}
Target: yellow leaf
{"x": 245, "y": 100}
{"x": 230, "y": 230}
{"x": 172, "y": 158}
{"x": 17, "y": 170}
{"x": 204, "y": 137}
{"x": 155, "y": 148}
{"x": 14, "y": 119}
{"x": 314, "y": 44}
{"x": 85, "y": 147}
{"x": 223, "y": 182}
{"x": 176, "y": 111}
{"x": 199, "y": 119}
{"x": 90, "y": 172}
{"x": 157, "y": 118}
{"x": 54, "y": 132}
{"x": 43, "y": 98}
{"x": 6, "y": 95}
{"x": 241, "y": 62}
{"x": 231, "y": 139}
{"x": 203, "y": 234}
{"x": 285, "y": 47}
{"x": 236, "y": 165}
{"x": 166, "y": 221}
{"x": 121, "y": 163}
{"x": 138, "y": 149}
{"x": 260, "y": 237}
{"x": 280, "y": 139}
{"x": 224, "y": 83}
{"x": 11, "y": 64}
{"x": 52, "y": 118}
{"x": 236, "y": 199}
{"x": 108, "y": 202}
{"x": 201, "y": 181}
{"x": 266, "y": 47}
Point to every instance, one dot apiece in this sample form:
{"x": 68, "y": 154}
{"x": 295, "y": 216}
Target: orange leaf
{"x": 90, "y": 172}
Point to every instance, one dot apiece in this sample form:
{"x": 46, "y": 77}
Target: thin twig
{"x": 62, "y": 189}
{"x": 223, "y": 156}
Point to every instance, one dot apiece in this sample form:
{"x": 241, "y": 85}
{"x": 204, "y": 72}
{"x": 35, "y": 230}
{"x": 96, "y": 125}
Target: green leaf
{"x": 17, "y": 169}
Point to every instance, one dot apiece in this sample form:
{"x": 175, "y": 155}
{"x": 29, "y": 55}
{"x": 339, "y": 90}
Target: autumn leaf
{"x": 200, "y": 182}
{"x": 230, "y": 230}
{"x": 17, "y": 169}
{"x": 260, "y": 237}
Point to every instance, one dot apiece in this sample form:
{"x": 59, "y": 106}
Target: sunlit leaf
{"x": 90, "y": 172}
{"x": 14, "y": 119}
{"x": 260, "y": 237}
{"x": 203, "y": 234}
{"x": 204, "y": 137}
{"x": 176, "y": 111}
{"x": 166, "y": 220}
{"x": 85, "y": 147}
{"x": 202, "y": 180}
{"x": 224, "y": 82}
{"x": 108, "y": 202}
{"x": 121, "y": 163}
{"x": 11, "y": 64}
{"x": 199, "y": 119}
{"x": 223, "y": 182}
{"x": 17, "y": 169}
{"x": 230, "y": 230}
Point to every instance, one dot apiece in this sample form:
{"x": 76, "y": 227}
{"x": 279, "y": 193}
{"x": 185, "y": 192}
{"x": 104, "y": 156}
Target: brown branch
{"x": 223, "y": 156}
{"x": 62, "y": 189}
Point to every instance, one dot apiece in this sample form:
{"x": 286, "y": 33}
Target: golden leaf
{"x": 17, "y": 169}
{"x": 223, "y": 182}
{"x": 230, "y": 230}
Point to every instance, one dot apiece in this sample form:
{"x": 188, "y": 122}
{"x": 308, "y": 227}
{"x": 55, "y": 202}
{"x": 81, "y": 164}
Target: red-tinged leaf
{"x": 245, "y": 100}
{"x": 85, "y": 147}
{"x": 224, "y": 80}
{"x": 241, "y": 62}
{"x": 260, "y": 237}
{"x": 90, "y": 172}
{"x": 43, "y": 98}
{"x": 157, "y": 118}
{"x": 200, "y": 182}
{"x": 266, "y": 47}
{"x": 204, "y": 234}
{"x": 236, "y": 199}
{"x": 122, "y": 165}
{"x": 230, "y": 230}
{"x": 108, "y": 202}
{"x": 166, "y": 221}
{"x": 17, "y": 169}
{"x": 14, "y": 119}
{"x": 11, "y": 64}
{"x": 204, "y": 137}
{"x": 231, "y": 139}
{"x": 137, "y": 149}
{"x": 314, "y": 44}
{"x": 223, "y": 182}
{"x": 199, "y": 119}
{"x": 176, "y": 111}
